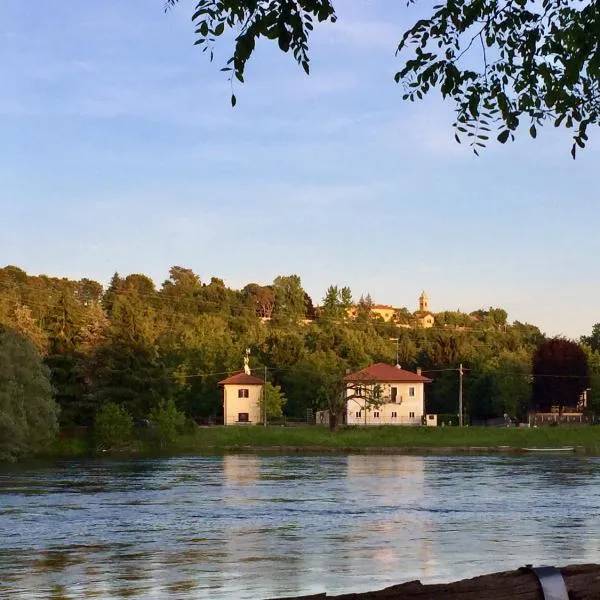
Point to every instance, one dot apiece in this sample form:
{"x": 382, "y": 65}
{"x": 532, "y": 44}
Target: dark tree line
{"x": 136, "y": 344}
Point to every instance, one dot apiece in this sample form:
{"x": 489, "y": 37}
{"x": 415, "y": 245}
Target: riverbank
{"x": 413, "y": 440}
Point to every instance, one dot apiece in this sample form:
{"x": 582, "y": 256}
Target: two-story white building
{"x": 383, "y": 394}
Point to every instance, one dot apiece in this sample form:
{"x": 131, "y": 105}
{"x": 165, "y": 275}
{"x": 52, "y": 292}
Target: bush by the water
{"x": 167, "y": 420}
{"x": 112, "y": 426}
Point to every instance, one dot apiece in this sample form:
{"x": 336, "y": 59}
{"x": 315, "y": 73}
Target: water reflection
{"x": 247, "y": 526}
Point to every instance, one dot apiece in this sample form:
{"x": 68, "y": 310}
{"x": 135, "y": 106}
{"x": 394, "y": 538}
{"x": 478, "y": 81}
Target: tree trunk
{"x": 582, "y": 582}
{"x": 333, "y": 421}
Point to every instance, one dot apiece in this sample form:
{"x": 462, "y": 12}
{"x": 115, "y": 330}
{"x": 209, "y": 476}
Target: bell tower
{"x": 423, "y": 302}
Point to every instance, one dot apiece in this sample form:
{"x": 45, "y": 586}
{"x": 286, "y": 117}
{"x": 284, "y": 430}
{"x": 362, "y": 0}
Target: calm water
{"x": 267, "y": 526}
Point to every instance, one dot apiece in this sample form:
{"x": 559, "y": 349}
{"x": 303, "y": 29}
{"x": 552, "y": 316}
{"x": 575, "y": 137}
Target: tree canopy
{"x": 503, "y": 64}
{"x": 28, "y": 413}
{"x": 561, "y": 374}
{"x": 141, "y": 347}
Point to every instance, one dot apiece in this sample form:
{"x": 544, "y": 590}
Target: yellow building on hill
{"x": 422, "y": 317}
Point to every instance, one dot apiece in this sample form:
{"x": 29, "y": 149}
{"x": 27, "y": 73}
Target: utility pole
{"x": 460, "y": 395}
{"x": 265, "y": 399}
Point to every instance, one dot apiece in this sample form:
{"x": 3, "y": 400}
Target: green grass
{"x": 351, "y": 439}
{"x": 387, "y": 438}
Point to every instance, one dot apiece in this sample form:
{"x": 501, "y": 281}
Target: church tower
{"x": 423, "y": 303}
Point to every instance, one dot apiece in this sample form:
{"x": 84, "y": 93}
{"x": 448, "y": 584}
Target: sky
{"x": 120, "y": 151}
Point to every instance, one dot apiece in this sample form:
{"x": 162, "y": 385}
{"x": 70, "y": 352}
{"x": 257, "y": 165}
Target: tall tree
{"x": 316, "y": 382}
{"x": 28, "y": 413}
{"x": 260, "y": 298}
{"x": 560, "y": 374}
{"x": 289, "y": 299}
{"x": 593, "y": 340}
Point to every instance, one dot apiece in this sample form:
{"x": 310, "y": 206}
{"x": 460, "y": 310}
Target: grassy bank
{"x": 204, "y": 440}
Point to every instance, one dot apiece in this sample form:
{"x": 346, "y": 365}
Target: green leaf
{"x": 233, "y": 100}
{"x": 503, "y": 136}
{"x": 533, "y": 132}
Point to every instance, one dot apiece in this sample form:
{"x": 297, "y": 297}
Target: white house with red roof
{"x": 383, "y": 394}
{"x": 241, "y": 398}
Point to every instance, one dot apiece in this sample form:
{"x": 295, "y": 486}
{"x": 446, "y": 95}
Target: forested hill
{"x": 135, "y": 343}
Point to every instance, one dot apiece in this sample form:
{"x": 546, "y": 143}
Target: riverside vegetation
{"x": 137, "y": 361}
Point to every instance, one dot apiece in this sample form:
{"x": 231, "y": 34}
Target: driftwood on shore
{"x": 582, "y": 582}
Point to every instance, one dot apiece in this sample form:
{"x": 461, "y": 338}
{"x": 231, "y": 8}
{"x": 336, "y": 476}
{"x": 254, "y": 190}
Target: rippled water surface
{"x": 245, "y": 526}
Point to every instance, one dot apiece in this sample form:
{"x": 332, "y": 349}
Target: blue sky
{"x": 120, "y": 152}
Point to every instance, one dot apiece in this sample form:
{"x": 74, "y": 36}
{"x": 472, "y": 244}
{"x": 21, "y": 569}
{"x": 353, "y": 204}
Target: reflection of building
{"x": 398, "y": 523}
{"x": 241, "y": 468}
{"x": 385, "y": 395}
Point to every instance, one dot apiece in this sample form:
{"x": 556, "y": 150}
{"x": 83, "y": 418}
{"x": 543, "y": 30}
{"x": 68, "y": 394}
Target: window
{"x": 358, "y": 413}
{"x": 243, "y": 393}
{"x": 394, "y": 415}
{"x": 358, "y": 390}
{"x": 394, "y": 395}
{"x": 411, "y": 391}
{"x": 411, "y": 415}
{"x": 376, "y": 415}
{"x": 431, "y": 417}
{"x": 243, "y": 417}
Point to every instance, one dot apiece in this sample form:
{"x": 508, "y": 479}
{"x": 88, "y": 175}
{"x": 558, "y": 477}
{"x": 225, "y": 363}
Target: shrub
{"x": 167, "y": 420}
{"x": 112, "y": 426}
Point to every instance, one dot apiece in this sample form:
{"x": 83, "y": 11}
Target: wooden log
{"x": 582, "y": 581}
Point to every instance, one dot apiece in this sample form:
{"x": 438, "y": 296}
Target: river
{"x": 247, "y": 526}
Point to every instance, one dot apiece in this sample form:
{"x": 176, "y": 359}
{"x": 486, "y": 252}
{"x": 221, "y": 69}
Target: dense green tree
{"x": 275, "y": 399}
{"x": 593, "y": 391}
{"x": 593, "y": 340}
{"x": 316, "y": 382}
{"x": 336, "y": 303}
{"x": 127, "y": 373}
{"x": 289, "y": 299}
{"x": 24, "y": 322}
{"x": 113, "y": 425}
{"x": 167, "y": 420}
{"x": 135, "y": 345}
{"x": 560, "y": 374}
{"x": 364, "y": 308}
{"x": 261, "y": 298}
{"x": 28, "y": 413}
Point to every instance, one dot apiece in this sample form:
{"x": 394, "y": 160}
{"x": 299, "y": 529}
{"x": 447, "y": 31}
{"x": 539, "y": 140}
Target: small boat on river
{"x": 561, "y": 449}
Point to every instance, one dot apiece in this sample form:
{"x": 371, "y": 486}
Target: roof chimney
{"x": 418, "y": 370}
{"x": 398, "y": 366}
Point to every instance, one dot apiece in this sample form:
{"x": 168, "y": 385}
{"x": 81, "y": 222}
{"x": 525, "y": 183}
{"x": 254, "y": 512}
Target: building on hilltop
{"x": 401, "y": 316}
{"x": 424, "y": 316}
{"x": 385, "y": 311}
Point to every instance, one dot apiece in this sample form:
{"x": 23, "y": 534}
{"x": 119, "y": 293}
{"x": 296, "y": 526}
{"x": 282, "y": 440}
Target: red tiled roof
{"x": 241, "y": 378}
{"x": 385, "y": 373}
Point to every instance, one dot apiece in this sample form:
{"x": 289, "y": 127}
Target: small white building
{"x": 383, "y": 394}
{"x": 241, "y": 399}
